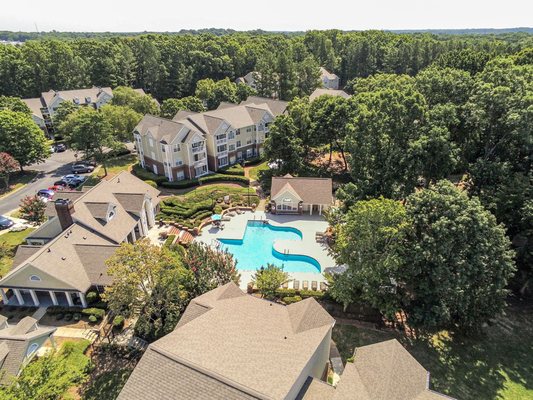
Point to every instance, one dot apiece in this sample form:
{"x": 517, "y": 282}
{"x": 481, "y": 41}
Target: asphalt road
{"x": 57, "y": 165}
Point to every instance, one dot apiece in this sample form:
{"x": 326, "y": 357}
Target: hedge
{"x": 253, "y": 161}
{"x": 151, "y": 183}
{"x": 96, "y": 312}
{"x": 145, "y": 175}
{"x": 291, "y": 299}
{"x": 235, "y": 170}
{"x": 118, "y": 322}
{"x": 54, "y": 310}
{"x": 169, "y": 241}
{"x": 286, "y": 292}
{"x": 312, "y": 293}
{"x": 180, "y": 184}
{"x": 224, "y": 178}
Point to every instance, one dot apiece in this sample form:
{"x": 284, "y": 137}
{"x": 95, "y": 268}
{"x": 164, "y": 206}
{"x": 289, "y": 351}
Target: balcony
{"x": 222, "y": 141}
{"x": 197, "y": 149}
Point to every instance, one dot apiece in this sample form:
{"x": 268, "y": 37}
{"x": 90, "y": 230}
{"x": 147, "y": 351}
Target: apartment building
{"x": 194, "y": 144}
{"x": 45, "y": 106}
{"x": 174, "y": 149}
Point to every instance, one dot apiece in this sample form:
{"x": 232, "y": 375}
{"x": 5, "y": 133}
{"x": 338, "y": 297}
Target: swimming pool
{"x": 256, "y": 249}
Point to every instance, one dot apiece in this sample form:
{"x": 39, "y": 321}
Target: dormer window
{"x": 32, "y": 349}
{"x": 35, "y": 278}
{"x": 111, "y": 214}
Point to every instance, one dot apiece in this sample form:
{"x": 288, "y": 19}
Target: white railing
{"x": 197, "y": 149}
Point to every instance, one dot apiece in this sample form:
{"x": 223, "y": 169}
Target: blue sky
{"x": 286, "y": 15}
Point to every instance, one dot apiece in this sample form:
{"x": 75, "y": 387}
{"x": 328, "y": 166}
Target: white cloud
{"x": 281, "y": 15}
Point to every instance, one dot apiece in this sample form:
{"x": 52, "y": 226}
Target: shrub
{"x": 92, "y": 319}
{"x": 286, "y": 292}
{"x": 92, "y": 297}
{"x": 180, "y": 184}
{"x": 68, "y": 317}
{"x": 118, "y": 322}
{"x": 98, "y": 313}
{"x": 151, "y": 183}
{"x": 224, "y": 178}
{"x": 291, "y": 299}
{"x": 236, "y": 170}
{"x": 100, "y": 304}
{"x": 59, "y": 316}
{"x": 145, "y": 175}
{"x": 53, "y": 310}
{"x": 311, "y": 293}
{"x": 253, "y": 161}
{"x": 76, "y": 316}
{"x": 169, "y": 241}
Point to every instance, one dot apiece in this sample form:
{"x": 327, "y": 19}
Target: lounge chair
{"x": 296, "y": 285}
{"x": 314, "y": 285}
{"x": 305, "y": 285}
{"x": 323, "y": 286}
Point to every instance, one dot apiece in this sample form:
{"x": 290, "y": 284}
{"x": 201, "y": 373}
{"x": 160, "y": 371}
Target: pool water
{"x": 256, "y": 249}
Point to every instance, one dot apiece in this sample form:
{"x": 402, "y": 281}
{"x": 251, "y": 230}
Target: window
{"x": 223, "y": 161}
{"x": 32, "y": 349}
{"x": 197, "y": 144}
{"x": 248, "y": 130}
{"x": 222, "y": 148}
{"x": 231, "y": 147}
{"x": 249, "y": 141}
{"x": 221, "y": 137}
{"x": 238, "y": 132}
{"x": 35, "y": 278}
{"x": 238, "y": 143}
{"x": 231, "y": 135}
{"x": 179, "y": 162}
{"x": 177, "y": 148}
{"x": 163, "y": 148}
{"x": 198, "y": 157}
{"x": 180, "y": 175}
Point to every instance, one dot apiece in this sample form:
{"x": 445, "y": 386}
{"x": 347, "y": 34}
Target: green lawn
{"x": 17, "y": 181}
{"x": 107, "y": 385}
{"x": 114, "y": 166}
{"x": 8, "y": 246}
{"x": 255, "y": 172}
{"x": 495, "y": 366}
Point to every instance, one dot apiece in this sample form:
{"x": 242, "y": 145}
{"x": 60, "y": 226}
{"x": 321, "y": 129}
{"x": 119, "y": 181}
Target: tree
{"x": 457, "y": 260}
{"x": 213, "y": 93}
{"x": 22, "y": 138}
{"x": 63, "y": 111}
{"x": 368, "y": 243}
{"x": 32, "y": 209}
{"x": 52, "y": 375}
{"x": 141, "y": 103}
{"x": 442, "y": 259}
{"x": 210, "y": 268}
{"x": 283, "y": 146}
{"x": 8, "y": 165}
{"x": 89, "y": 131}
{"x": 14, "y": 104}
{"x": 170, "y": 107}
{"x": 122, "y": 120}
{"x": 269, "y": 279}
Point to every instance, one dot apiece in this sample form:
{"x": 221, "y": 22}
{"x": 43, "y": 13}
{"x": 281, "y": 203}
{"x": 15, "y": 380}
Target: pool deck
{"x": 308, "y": 225}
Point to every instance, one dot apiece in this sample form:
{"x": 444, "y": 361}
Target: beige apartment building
{"x": 195, "y": 144}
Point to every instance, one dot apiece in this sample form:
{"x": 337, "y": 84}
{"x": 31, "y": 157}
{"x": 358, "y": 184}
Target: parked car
{"x": 56, "y": 188}
{"x": 74, "y": 177}
{"x": 60, "y": 147}
{"x": 82, "y": 168}
{"x": 5, "y": 223}
{"x": 92, "y": 163}
{"x": 46, "y": 193}
{"x": 71, "y": 184}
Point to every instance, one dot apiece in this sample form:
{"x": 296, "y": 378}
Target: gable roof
{"x": 310, "y": 190}
{"x": 330, "y": 92}
{"x": 277, "y": 107}
{"x": 384, "y": 371}
{"x": 223, "y": 328}
{"x": 14, "y": 341}
{"x": 324, "y": 73}
{"x": 162, "y": 129}
{"x": 84, "y": 96}
{"x": 75, "y": 258}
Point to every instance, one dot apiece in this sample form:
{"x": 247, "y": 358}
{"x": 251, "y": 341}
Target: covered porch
{"x": 42, "y": 298}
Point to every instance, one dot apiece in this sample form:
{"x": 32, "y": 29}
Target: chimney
{"x": 64, "y": 210}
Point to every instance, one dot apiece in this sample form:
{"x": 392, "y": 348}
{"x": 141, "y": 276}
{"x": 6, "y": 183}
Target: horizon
{"x": 162, "y": 16}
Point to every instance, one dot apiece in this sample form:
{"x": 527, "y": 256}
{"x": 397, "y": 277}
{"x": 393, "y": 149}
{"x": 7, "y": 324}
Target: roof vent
{"x": 49, "y": 250}
{"x": 63, "y": 258}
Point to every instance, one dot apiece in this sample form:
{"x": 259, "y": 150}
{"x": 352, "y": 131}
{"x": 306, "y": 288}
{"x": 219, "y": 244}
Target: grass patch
{"x": 200, "y": 203}
{"x": 9, "y": 242}
{"x": 107, "y": 385}
{"x": 17, "y": 180}
{"x": 256, "y": 172}
{"x": 495, "y": 366}
{"x": 116, "y": 165}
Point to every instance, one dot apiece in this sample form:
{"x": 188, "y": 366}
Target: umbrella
{"x": 216, "y": 217}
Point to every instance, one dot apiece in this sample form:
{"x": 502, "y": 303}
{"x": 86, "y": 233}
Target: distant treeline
{"x": 168, "y": 65}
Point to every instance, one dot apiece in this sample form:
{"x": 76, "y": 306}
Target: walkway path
{"x": 76, "y": 333}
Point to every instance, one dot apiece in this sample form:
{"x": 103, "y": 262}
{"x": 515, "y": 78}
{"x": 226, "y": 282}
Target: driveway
{"x": 57, "y": 165}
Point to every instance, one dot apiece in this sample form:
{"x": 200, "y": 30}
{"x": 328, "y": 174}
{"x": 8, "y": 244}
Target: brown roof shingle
{"x": 310, "y": 190}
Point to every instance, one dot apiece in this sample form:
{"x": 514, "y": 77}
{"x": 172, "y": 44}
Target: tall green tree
{"x": 283, "y": 146}
{"x": 122, "y": 120}
{"x": 14, "y": 104}
{"x": 22, "y": 138}
{"x": 170, "y": 107}
{"x": 268, "y": 280}
{"x": 89, "y": 131}
{"x": 141, "y": 103}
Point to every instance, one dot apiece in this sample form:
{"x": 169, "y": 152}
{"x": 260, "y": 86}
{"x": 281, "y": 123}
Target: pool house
{"x": 300, "y": 195}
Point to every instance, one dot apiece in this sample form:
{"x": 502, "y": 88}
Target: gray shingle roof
{"x": 277, "y": 107}
{"x": 242, "y": 341}
{"x": 310, "y": 190}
